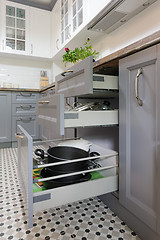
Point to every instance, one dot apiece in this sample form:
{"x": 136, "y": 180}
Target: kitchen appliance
{"x": 116, "y": 13}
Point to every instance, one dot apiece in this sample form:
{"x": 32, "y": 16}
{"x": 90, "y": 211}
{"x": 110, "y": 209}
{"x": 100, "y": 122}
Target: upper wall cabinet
{"x": 40, "y": 33}
{"x": 14, "y": 28}
{"x": 24, "y": 30}
{"x": 56, "y": 27}
{"x": 69, "y": 17}
{"x": 72, "y": 18}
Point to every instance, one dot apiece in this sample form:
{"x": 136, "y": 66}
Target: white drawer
{"x": 90, "y": 118}
{"x": 79, "y": 191}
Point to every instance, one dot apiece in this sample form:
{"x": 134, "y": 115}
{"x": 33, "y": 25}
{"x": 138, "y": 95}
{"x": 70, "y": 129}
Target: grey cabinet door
{"x": 5, "y": 117}
{"x": 28, "y": 123}
{"x": 139, "y": 135}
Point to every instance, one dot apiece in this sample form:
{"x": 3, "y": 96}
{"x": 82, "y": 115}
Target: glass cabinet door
{"x": 77, "y": 13}
{"x": 64, "y": 21}
{"x": 15, "y": 28}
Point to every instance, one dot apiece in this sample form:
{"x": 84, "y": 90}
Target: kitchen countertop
{"x": 20, "y": 89}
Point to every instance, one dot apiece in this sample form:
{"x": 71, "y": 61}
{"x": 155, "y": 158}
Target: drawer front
{"x": 77, "y": 80}
{"x": 48, "y": 92}
{"x": 50, "y": 113}
{"x": 21, "y": 109}
{"x": 91, "y": 118}
{"x": 28, "y": 123}
{"x": 24, "y": 97}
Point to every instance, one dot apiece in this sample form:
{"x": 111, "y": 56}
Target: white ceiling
{"x": 44, "y": 4}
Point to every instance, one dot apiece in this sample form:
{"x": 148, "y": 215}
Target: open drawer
{"x": 107, "y": 169}
{"x": 79, "y": 80}
{"x": 50, "y": 112}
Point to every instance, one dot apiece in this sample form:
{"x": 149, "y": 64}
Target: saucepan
{"x": 63, "y": 153}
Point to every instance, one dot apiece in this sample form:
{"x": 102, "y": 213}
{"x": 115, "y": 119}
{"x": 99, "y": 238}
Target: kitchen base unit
{"x": 105, "y": 166}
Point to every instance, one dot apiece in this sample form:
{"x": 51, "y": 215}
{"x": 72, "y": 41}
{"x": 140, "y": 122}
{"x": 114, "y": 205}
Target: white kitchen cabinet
{"x": 15, "y": 28}
{"x": 25, "y": 30}
{"x": 70, "y": 19}
{"x": 2, "y": 9}
{"x": 56, "y": 28}
{"x": 40, "y": 32}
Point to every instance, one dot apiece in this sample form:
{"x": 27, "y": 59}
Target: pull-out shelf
{"x": 107, "y": 167}
{"x": 90, "y": 118}
{"x": 50, "y": 112}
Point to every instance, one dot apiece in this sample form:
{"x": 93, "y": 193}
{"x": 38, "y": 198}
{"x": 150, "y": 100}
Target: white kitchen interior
{"x": 118, "y": 196}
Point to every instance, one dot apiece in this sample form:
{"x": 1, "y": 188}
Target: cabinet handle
{"x": 18, "y": 135}
{"x": 26, "y": 95}
{"x": 57, "y": 41}
{"x": 3, "y": 44}
{"x": 26, "y": 107}
{"x": 42, "y": 102}
{"x": 25, "y": 119}
{"x": 67, "y": 71}
{"x": 31, "y": 48}
{"x": 139, "y": 101}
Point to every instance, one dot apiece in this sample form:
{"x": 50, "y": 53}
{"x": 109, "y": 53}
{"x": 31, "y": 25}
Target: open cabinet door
{"x": 25, "y": 170}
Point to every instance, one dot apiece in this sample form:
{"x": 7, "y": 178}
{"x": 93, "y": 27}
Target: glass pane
{"x": 80, "y": 3}
{"x": 66, "y": 33}
{"x": 20, "y": 34}
{"x": 10, "y": 32}
{"x": 74, "y": 9}
{"x": 66, "y": 7}
{"x": 66, "y": 20}
{"x": 20, "y": 23}
{"x": 62, "y": 25}
{"x": 62, "y": 13}
{"x": 62, "y": 37}
{"x": 20, "y": 13}
{"x": 10, "y": 43}
{"x": 74, "y": 24}
{"x": 10, "y": 11}
{"x": 80, "y": 18}
{"x": 20, "y": 45}
{"x": 10, "y": 22}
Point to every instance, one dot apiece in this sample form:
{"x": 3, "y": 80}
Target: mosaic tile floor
{"x": 84, "y": 220}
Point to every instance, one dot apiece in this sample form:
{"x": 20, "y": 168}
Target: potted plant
{"x": 74, "y": 56}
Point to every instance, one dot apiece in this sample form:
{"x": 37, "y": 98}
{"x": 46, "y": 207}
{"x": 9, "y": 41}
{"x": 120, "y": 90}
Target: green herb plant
{"x": 79, "y": 53}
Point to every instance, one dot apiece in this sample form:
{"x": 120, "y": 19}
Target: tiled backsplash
{"x": 23, "y": 73}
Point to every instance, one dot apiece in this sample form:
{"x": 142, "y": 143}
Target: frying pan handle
{"x": 39, "y": 152}
{"x": 92, "y": 154}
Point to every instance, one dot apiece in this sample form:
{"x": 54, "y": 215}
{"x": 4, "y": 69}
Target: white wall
{"x": 142, "y": 25}
{"x": 25, "y": 73}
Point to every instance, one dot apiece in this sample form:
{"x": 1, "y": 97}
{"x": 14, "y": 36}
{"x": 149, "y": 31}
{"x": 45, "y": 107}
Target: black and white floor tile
{"x": 84, "y": 220}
